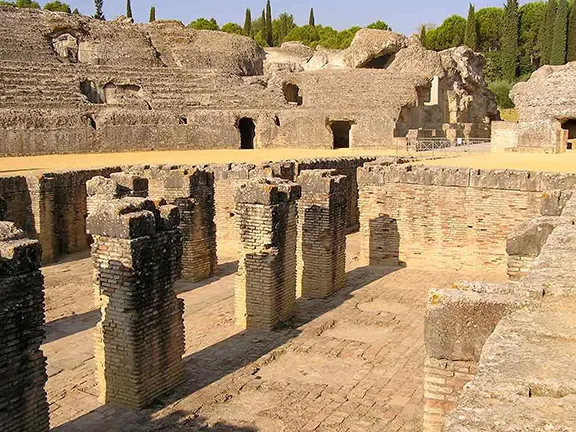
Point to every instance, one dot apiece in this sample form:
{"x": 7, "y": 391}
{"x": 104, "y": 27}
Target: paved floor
{"x": 353, "y": 362}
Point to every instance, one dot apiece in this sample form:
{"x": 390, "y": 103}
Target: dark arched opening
{"x": 341, "y": 133}
{"x": 247, "y": 133}
{"x": 292, "y": 94}
{"x": 570, "y": 126}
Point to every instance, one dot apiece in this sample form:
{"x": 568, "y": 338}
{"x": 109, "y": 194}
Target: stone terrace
{"x": 371, "y": 333}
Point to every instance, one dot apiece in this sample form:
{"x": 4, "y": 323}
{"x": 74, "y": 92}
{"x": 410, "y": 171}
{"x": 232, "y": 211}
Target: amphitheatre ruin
{"x": 200, "y": 234}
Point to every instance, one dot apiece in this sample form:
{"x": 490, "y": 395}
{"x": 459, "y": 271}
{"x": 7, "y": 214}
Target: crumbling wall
{"x": 519, "y": 335}
{"x": 137, "y": 255}
{"x": 451, "y": 217}
{"x": 23, "y": 404}
{"x": 17, "y": 204}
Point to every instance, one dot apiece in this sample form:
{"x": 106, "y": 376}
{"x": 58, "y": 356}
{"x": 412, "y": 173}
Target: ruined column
{"x": 23, "y": 404}
{"x": 100, "y": 190}
{"x": 137, "y": 254}
{"x": 322, "y": 223}
{"x": 192, "y": 191}
{"x": 266, "y": 281}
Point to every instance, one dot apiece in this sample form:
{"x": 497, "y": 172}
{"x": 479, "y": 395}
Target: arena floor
{"x": 565, "y": 162}
{"x": 352, "y": 362}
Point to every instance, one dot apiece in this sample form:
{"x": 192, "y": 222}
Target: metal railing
{"x": 445, "y": 145}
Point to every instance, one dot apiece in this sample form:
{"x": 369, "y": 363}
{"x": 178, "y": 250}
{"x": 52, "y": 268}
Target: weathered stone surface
{"x": 528, "y": 238}
{"x": 369, "y": 44}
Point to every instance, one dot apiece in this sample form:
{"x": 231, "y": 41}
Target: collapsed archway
{"x": 247, "y": 129}
{"x": 66, "y": 47}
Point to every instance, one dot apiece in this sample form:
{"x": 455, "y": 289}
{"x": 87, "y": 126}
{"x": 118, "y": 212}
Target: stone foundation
{"x": 23, "y": 404}
{"x": 266, "y": 282}
{"x": 322, "y": 212}
{"x": 137, "y": 254}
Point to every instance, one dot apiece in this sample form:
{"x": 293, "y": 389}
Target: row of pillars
{"x": 293, "y": 244}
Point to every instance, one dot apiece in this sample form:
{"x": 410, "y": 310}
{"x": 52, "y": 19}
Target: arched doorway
{"x": 247, "y": 130}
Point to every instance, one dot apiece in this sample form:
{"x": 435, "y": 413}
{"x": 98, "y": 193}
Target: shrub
{"x": 501, "y": 90}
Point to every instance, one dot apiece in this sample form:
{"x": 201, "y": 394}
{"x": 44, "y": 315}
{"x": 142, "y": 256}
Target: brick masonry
{"x": 322, "y": 212}
{"x": 446, "y": 216}
{"x": 23, "y": 404}
{"x": 443, "y": 384}
{"x": 137, "y": 254}
{"x": 266, "y": 281}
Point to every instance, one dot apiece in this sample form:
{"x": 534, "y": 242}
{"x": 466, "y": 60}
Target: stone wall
{"x": 449, "y": 217}
{"x": 522, "y": 340}
{"x": 504, "y": 136}
{"x": 59, "y": 206}
{"x": 137, "y": 253}
{"x": 17, "y": 202}
{"x": 23, "y": 404}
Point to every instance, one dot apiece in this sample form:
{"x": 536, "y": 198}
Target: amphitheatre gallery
{"x": 201, "y": 234}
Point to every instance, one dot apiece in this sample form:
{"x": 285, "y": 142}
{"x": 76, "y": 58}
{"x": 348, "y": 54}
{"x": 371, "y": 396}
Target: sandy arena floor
{"x": 353, "y": 362}
{"x": 565, "y": 162}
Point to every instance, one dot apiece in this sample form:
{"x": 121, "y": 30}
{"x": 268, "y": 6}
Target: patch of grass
{"x": 509, "y": 114}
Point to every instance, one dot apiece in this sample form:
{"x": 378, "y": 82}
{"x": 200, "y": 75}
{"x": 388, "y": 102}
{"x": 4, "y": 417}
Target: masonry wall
{"x": 60, "y": 209}
{"x": 23, "y": 404}
{"x": 18, "y": 203}
{"x": 450, "y": 217}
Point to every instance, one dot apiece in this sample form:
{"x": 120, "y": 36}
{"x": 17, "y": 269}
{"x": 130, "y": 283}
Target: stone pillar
{"x": 322, "y": 211}
{"x": 266, "y": 281}
{"x": 100, "y": 190}
{"x": 23, "y": 404}
{"x": 192, "y": 190}
{"x": 137, "y": 254}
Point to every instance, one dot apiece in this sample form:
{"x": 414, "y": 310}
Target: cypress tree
{"x": 76, "y": 12}
{"x": 268, "y": 25}
{"x": 248, "y": 23}
{"x": 311, "y": 20}
{"x": 572, "y": 34}
{"x": 423, "y": 35}
{"x": 547, "y": 34}
{"x": 558, "y": 55}
{"x": 128, "y": 9}
{"x": 471, "y": 35}
{"x": 510, "y": 41}
{"x": 152, "y": 14}
{"x": 99, "y": 15}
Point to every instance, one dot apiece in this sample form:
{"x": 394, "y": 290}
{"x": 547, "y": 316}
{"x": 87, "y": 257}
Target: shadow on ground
{"x": 217, "y": 361}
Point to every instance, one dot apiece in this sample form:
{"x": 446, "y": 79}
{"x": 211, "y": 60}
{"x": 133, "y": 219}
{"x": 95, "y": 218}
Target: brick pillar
{"x": 192, "y": 190}
{"x": 266, "y": 281}
{"x": 23, "y": 404}
{"x": 322, "y": 223}
{"x": 137, "y": 254}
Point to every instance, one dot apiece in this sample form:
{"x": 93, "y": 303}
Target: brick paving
{"x": 352, "y": 362}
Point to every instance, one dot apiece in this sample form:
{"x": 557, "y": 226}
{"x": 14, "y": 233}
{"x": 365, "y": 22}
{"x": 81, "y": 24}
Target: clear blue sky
{"x": 403, "y": 15}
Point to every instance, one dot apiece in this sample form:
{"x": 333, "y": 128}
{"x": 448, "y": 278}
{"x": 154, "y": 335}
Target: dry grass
{"x": 509, "y": 114}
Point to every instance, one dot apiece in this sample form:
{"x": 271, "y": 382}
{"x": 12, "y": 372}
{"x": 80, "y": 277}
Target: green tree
{"x": 152, "y": 16}
{"x": 232, "y": 28}
{"x": 76, "y": 12}
{"x": 305, "y": 34}
{"x": 56, "y": 6}
{"x": 450, "y": 34}
{"x": 281, "y": 27}
{"x": 423, "y": 35}
{"x": 471, "y": 35}
{"x": 571, "y": 55}
{"x": 99, "y": 15}
{"x": 379, "y": 25}
{"x": 248, "y": 23}
{"x": 128, "y": 9}
{"x": 5, "y": 3}
{"x": 311, "y": 19}
{"x": 531, "y": 22}
{"x": 547, "y": 33}
{"x": 29, "y": 4}
{"x": 204, "y": 24}
{"x": 490, "y": 23}
{"x": 510, "y": 41}
{"x": 558, "y": 55}
{"x": 269, "y": 31}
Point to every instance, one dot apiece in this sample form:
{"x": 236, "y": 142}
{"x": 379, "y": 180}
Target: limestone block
{"x": 528, "y": 238}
